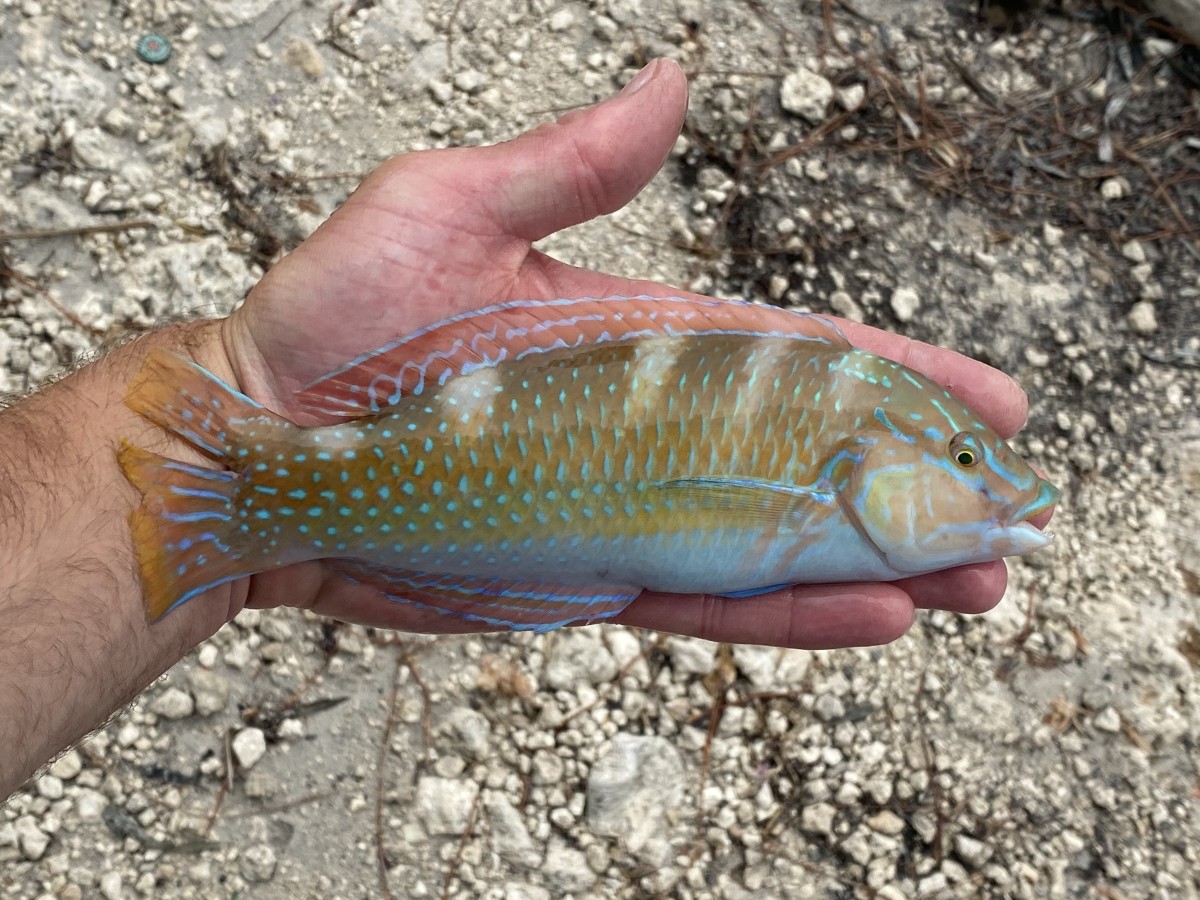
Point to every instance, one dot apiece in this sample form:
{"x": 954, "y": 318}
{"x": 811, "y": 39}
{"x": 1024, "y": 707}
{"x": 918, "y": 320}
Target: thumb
{"x": 591, "y": 161}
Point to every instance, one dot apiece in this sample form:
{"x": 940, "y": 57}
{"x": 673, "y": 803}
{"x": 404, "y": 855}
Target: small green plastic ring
{"x": 153, "y": 48}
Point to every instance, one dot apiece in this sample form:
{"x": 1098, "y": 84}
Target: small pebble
{"x": 843, "y": 304}
{"x": 31, "y": 839}
{"x": 818, "y": 818}
{"x": 50, "y": 787}
{"x": 932, "y": 885}
{"x": 806, "y": 94}
{"x": 561, "y": 20}
{"x": 260, "y": 784}
{"x": 249, "y": 746}
{"x": 470, "y": 81}
{"x": 173, "y": 703}
{"x": 90, "y": 804}
{"x": 257, "y": 863}
{"x": 829, "y": 708}
{"x": 1134, "y": 251}
{"x": 1141, "y": 317}
{"x": 905, "y": 303}
{"x": 851, "y": 97}
{"x": 303, "y": 56}
{"x": 1161, "y": 48}
{"x": 1114, "y": 188}
{"x": 1107, "y": 720}
{"x": 210, "y": 690}
{"x": 110, "y": 886}
{"x": 886, "y": 822}
{"x": 67, "y": 766}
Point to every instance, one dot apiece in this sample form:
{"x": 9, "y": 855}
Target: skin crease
{"x": 426, "y": 235}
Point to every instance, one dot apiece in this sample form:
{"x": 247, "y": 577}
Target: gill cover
{"x": 921, "y": 514}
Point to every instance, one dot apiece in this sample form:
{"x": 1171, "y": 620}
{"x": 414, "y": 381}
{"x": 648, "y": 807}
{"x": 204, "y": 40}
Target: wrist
{"x": 70, "y": 594}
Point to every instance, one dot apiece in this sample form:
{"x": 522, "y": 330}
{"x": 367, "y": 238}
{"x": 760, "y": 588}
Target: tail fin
{"x": 188, "y": 400}
{"x": 187, "y": 531}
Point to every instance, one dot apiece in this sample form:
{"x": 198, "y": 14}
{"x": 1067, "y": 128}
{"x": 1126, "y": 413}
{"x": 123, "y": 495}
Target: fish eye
{"x": 964, "y": 449}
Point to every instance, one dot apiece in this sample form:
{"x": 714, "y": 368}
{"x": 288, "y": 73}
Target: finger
{"x": 446, "y": 231}
{"x": 590, "y": 162}
{"x": 810, "y": 617}
{"x": 967, "y": 589}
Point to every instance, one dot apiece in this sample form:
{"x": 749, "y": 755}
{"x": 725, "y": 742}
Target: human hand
{"x": 435, "y": 233}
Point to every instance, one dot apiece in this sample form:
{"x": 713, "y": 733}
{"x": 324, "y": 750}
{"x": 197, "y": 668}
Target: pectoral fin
{"x": 751, "y": 502}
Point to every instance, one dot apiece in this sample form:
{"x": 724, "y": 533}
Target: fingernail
{"x": 641, "y": 79}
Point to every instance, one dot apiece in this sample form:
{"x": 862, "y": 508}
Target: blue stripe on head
{"x": 899, "y": 435}
{"x": 1009, "y": 475}
{"x": 949, "y": 418}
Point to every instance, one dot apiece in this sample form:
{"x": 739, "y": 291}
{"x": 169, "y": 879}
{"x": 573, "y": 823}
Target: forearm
{"x": 74, "y": 641}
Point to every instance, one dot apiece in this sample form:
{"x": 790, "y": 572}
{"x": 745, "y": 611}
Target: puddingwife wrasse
{"x": 541, "y": 462}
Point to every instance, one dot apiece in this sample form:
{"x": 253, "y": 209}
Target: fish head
{"x": 933, "y": 491}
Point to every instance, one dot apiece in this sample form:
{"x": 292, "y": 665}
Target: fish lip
{"x": 1020, "y": 533}
{"x": 1047, "y": 497}
{"x": 1028, "y": 537}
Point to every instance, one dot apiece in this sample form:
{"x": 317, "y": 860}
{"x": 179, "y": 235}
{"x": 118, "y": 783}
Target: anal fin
{"x": 519, "y": 605}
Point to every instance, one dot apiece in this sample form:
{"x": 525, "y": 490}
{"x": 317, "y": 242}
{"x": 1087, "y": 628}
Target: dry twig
{"x": 448, "y": 878}
{"x": 380, "y": 769}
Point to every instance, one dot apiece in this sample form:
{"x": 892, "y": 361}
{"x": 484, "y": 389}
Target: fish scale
{"x": 530, "y": 472}
{"x": 540, "y": 512}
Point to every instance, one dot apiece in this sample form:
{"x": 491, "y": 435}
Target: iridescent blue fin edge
{"x": 513, "y": 604}
{"x": 753, "y": 592}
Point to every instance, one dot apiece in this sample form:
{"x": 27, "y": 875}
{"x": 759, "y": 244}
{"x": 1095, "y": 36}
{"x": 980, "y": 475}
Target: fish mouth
{"x": 1021, "y": 538}
{"x": 1045, "y": 499}
{"x": 1019, "y": 535}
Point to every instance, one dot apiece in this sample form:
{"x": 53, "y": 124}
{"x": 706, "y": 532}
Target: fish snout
{"x": 1020, "y": 534}
{"x": 1038, "y": 505}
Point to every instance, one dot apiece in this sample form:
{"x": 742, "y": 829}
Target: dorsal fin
{"x": 513, "y": 330}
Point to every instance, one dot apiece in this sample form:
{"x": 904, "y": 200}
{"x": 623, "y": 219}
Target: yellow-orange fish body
{"x": 533, "y": 464}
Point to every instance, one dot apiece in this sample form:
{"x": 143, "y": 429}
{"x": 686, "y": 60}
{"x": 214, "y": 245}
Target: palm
{"x": 412, "y": 246}
{"x": 428, "y": 235}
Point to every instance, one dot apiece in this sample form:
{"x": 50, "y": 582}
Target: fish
{"x": 537, "y": 463}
